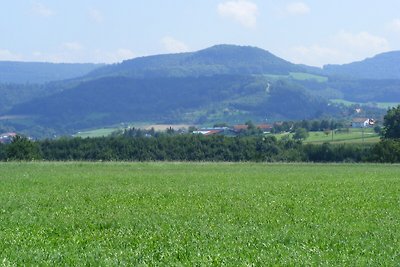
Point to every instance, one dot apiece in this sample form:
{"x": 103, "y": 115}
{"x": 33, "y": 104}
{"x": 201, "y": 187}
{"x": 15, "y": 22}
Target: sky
{"x": 313, "y": 32}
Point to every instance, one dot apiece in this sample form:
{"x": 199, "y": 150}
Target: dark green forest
{"x": 197, "y": 148}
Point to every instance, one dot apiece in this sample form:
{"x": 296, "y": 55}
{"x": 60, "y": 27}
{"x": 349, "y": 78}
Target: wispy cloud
{"x": 72, "y": 46}
{"x": 174, "y": 46}
{"x": 8, "y": 55}
{"x": 315, "y": 55}
{"x": 343, "y": 47}
{"x": 123, "y": 54}
{"x": 394, "y": 25}
{"x": 362, "y": 41}
{"x": 41, "y": 10}
{"x": 243, "y": 11}
{"x": 297, "y": 8}
{"x": 96, "y": 15}
{"x": 119, "y": 55}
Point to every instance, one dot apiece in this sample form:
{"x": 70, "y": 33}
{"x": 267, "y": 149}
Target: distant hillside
{"x": 223, "y": 83}
{"x": 216, "y": 60}
{"x": 37, "y": 72}
{"x": 170, "y": 100}
{"x": 382, "y": 66}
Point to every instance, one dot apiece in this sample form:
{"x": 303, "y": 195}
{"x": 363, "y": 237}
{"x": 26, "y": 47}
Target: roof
{"x": 7, "y": 135}
{"x": 240, "y": 127}
{"x": 264, "y": 126}
{"x": 360, "y": 120}
{"x": 208, "y": 131}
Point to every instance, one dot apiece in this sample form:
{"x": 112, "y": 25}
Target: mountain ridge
{"x": 381, "y": 66}
{"x": 42, "y": 72}
{"x": 221, "y": 83}
{"x": 218, "y": 59}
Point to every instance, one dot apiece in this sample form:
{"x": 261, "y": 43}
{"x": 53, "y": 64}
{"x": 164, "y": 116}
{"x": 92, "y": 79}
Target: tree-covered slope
{"x": 37, "y": 72}
{"x": 114, "y": 100}
{"x": 382, "y": 66}
{"x": 216, "y": 60}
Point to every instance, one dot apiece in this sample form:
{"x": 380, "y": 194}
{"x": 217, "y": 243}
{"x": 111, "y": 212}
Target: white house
{"x": 362, "y": 122}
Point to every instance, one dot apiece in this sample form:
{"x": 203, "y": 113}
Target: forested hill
{"x": 39, "y": 72}
{"x": 196, "y": 100}
{"x": 223, "y": 83}
{"x": 216, "y": 60}
{"x": 382, "y": 66}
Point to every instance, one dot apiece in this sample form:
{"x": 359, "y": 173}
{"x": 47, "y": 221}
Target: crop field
{"x": 199, "y": 214}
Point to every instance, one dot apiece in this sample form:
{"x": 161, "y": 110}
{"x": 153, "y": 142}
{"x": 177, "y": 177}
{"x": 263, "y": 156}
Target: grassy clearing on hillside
{"x": 96, "y": 133}
{"x": 383, "y": 105}
{"x": 300, "y": 76}
{"x": 199, "y": 214}
{"x": 307, "y": 76}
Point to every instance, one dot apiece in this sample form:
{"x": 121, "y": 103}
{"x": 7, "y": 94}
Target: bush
{"x": 21, "y": 148}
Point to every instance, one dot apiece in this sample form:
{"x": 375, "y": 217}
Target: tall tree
{"x": 21, "y": 148}
{"x": 391, "y": 123}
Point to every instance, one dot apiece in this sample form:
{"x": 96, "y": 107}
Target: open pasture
{"x": 199, "y": 214}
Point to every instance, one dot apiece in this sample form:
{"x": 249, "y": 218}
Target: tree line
{"x": 169, "y": 146}
{"x": 196, "y": 148}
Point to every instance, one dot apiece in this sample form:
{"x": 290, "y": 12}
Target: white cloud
{"x": 314, "y": 55}
{"x": 243, "y": 11}
{"x": 394, "y": 25}
{"x": 343, "y": 47}
{"x": 174, "y": 46}
{"x": 363, "y": 42}
{"x": 297, "y": 8}
{"x": 72, "y": 46}
{"x": 96, "y": 15}
{"x": 7, "y": 55}
{"x": 41, "y": 10}
{"x": 119, "y": 55}
{"x": 123, "y": 54}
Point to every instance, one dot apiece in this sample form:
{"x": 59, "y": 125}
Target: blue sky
{"x": 313, "y": 32}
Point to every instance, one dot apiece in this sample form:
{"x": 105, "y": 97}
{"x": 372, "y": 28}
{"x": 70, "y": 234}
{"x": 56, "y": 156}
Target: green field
{"x": 300, "y": 76}
{"x": 199, "y": 214}
{"x": 352, "y": 136}
{"x": 96, "y": 133}
{"x": 383, "y": 105}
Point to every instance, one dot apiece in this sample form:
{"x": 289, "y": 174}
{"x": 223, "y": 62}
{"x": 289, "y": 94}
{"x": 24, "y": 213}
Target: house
{"x": 7, "y": 137}
{"x": 240, "y": 127}
{"x": 266, "y": 128}
{"x": 362, "y": 122}
{"x": 214, "y": 131}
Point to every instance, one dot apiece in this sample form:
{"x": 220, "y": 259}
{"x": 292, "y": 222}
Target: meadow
{"x": 352, "y": 136}
{"x": 217, "y": 214}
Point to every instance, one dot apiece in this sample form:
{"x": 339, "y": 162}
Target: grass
{"x": 306, "y": 76}
{"x": 199, "y": 214}
{"x": 354, "y": 135}
{"x": 300, "y": 76}
{"x": 96, "y": 133}
{"x": 382, "y": 105}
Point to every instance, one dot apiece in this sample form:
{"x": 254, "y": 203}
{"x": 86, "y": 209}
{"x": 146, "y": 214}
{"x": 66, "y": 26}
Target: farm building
{"x": 266, "y": 128}
{"x": 7, "y": 137}
{"x": 214, "y": 131}
{"x": 362, "y": 122}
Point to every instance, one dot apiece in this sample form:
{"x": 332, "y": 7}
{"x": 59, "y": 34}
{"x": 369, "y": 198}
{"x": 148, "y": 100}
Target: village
{"x": 281, "y": 127}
